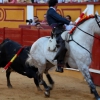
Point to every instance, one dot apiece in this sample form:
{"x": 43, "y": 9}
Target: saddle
{"x": 52, "y": 44}
{"x": 58, "y": 33}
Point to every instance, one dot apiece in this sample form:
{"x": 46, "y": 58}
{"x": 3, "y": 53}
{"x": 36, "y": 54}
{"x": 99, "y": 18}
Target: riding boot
{"x": 61, "y": 52}
{"x": 60, "y": 56}
{"x": 59, "y": 69}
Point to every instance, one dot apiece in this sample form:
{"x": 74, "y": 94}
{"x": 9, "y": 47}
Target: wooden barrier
{"x": 45, "y": 32}
{"x": 14, "y": 34}
{"x": 29, "y": 36}
{"x": 27, "y": 26}
{"x": 95, "y": 65}
{"x": 24, "y": 36}
{"x": 2, "y": 34}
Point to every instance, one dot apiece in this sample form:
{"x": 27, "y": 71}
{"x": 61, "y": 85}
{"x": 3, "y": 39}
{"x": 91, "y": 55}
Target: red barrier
{"x": 2, "y": 34}
{"x": 29, "y": 36}
{"x": 45, "y": 26}
{"x": 24, "y": 36}
{"x": 96, "y": 61}
{"x": 27, "y": 26}
{"x": 14, "y": 34}
{"x": 45, "y": 32}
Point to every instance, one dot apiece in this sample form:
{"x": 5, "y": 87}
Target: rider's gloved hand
{"x": 72, "y": 23}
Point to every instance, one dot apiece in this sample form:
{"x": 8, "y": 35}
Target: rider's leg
{"x": 60, "y": 56}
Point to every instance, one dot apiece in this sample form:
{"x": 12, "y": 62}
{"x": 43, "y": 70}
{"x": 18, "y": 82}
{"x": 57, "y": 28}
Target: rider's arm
{"x": 58, "y": 17}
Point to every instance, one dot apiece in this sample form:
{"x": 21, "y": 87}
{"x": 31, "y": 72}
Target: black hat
{"x": 52, "y": 3}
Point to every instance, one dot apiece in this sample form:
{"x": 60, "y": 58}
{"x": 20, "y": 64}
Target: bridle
{"x": 98, "y": 22}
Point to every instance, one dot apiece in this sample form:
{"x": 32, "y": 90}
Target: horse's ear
{"x": 96, "y": 14}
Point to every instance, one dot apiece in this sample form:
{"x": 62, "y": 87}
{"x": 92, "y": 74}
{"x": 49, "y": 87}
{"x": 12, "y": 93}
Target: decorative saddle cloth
{"x": 52, "y": 44}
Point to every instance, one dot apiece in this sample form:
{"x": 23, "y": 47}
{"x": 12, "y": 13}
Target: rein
{"x": 98, "y": 22}
{"x": 71, "y": 35}
{"x": 79, "y": 45}
{"x": 87, "y": 33}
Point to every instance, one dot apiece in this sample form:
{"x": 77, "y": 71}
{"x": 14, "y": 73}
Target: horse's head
{"x": 97, "y": 25}
{"x": 89, "y": 24}
{"x": 97, "y": 18}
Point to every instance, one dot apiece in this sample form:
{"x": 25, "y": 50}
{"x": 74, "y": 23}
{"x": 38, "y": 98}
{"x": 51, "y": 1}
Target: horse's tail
{"x": 29, "y": 60}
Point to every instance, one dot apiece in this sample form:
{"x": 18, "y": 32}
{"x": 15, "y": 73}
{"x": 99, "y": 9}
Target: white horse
{"x": 79, "y": 55}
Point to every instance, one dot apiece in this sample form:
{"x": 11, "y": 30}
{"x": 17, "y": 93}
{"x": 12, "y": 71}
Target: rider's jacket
{"x": 54, "y": 18}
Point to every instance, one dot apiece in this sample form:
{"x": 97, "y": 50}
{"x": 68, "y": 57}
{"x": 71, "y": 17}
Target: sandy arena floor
{"x": 65, "y": 88}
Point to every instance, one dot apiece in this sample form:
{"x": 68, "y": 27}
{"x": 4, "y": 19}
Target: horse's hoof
{"x": 51, "y": 87}
{"x": 98, "y": 98}
{"x": 59, "y": 69}
{"x": 47, "y": 93}
{"x": 10, "y": 86}
{"x": 39, "y": 89}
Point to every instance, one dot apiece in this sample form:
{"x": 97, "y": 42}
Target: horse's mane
{"x": 82, "y": 20}
{"x": 85, "y": 18}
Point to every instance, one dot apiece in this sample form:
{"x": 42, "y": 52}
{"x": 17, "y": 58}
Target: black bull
{"x": 8, "y": 49}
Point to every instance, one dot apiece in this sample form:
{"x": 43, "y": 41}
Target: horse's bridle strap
{"x": 98, "y": 22}
{"x": 88, "y": 33}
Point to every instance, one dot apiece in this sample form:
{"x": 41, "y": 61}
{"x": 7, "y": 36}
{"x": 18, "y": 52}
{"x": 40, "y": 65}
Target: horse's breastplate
{"x": 55, "y": 38}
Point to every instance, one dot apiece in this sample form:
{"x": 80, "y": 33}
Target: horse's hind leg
{"x": 8, "y": 72}
{"x": 46, "y": 87}
{"x": 37, "y": 84}
{"x": 84, "y": 69}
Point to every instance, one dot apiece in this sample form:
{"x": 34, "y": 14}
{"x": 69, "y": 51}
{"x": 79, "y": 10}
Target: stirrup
{"x": 59, "y": 69}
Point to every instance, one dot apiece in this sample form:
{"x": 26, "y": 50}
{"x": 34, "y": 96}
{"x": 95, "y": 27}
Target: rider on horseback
{"x": 57, "y": 22}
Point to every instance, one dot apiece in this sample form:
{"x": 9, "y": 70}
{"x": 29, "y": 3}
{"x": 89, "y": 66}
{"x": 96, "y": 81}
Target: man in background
{"x": 45, "y": 20}
{"x": 68, "y": 27}
{"x": 36, "y": 20}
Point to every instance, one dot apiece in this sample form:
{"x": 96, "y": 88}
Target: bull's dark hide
{"x": 8, "y": 49}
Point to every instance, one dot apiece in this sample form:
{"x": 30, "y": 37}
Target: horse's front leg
{"x": 46, "y": 87}
{"x": 84, "y": 69}
{"x": 8, "y": 72}
{"x": 51, "y": 82}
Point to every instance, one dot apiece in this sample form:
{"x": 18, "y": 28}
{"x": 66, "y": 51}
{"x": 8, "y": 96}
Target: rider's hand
{"x": 72, "y": 23}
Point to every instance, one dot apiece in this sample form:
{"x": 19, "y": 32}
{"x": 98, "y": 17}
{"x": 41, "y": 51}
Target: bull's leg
{"x": 8, "y": 72}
